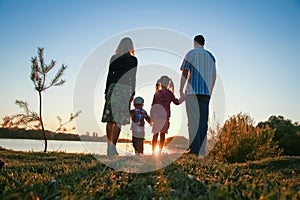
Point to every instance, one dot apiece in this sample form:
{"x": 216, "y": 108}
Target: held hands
{"x": 182, "y": 97}
{"x": 131, "y": 98}
{"x": 181, "y": 93}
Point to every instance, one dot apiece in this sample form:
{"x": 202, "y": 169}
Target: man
{"x": 199, "y": 68}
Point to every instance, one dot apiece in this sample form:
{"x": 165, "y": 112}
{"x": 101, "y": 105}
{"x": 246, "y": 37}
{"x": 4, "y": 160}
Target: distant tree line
{"x": 15, "y": 133}
{"x": 20, "y": 133}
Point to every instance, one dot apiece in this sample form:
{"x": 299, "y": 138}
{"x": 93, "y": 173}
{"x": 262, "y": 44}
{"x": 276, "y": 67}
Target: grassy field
{"x": 29, "y": 175}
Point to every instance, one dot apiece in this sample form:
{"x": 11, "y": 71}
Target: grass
{"x": 32, "y": 175}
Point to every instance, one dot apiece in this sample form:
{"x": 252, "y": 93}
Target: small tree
{"x": 39, "y": 71}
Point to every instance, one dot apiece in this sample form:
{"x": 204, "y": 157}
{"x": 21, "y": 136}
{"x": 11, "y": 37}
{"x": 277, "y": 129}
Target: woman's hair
{"x": 164, "y": 81}
{"x": 125, "y": 46}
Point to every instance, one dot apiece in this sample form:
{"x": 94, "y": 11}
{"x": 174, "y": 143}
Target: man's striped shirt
{"x": 201, "y": 65}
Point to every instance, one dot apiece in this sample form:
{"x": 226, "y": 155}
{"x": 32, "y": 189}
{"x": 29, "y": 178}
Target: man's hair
{"x": 200, "y": 39}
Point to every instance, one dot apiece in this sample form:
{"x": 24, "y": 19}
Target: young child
{"x": 138, "y": 116}
{"x": 160, "y": 110}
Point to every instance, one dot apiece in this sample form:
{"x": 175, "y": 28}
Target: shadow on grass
{"x": 60, "y": 175}
{"x": 77, "y": 176}
{"x": 286, "y": 163}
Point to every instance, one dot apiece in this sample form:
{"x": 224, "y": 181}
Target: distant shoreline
{"x": 8, "y": 133}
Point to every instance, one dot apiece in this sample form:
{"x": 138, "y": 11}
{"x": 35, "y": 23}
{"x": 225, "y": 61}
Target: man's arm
{"x": 184, "y": 75}
{"x": 213, "y": 81}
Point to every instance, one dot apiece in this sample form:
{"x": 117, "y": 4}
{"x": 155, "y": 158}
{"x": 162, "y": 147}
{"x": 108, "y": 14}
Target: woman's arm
{"x": 133, "y": 76}
{"x": 110, "y": 74}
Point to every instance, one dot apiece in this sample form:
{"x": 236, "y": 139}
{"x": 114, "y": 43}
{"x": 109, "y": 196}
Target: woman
{"x": 119, "y": 92}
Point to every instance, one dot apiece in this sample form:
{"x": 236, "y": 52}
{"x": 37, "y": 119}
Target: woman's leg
{"x": 110, "y": 134}
{"x": 154, "y": 142}
{"x": 116, "y": 133}
{"x": 109, "y": 131}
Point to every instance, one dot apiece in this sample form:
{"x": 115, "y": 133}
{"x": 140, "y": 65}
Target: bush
{"x": 290, "y": 144}
{"x": 240, "y": 141}
{"x": 286, "y": 133}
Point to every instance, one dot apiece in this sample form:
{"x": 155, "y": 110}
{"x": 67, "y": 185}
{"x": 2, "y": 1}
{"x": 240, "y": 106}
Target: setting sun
{"x": 156, "y": 150}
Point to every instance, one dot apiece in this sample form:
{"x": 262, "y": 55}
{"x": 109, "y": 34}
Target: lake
{"x": 71, "y": 146}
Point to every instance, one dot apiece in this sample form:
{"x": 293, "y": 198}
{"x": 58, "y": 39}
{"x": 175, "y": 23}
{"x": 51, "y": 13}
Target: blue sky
{"x": 256, "y": 45}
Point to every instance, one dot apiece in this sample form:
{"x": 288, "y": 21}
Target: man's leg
{"x": 203, "y": 125}
{"x": 193, "y": 115}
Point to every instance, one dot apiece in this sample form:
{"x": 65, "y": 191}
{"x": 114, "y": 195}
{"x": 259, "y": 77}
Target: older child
{"x": 138, "y": 116}
{"x": 160, "y": 110}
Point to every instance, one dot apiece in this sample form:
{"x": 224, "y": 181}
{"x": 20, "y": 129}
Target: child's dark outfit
{"x": 160, "y": 114}
{"x": 138, "y": 116}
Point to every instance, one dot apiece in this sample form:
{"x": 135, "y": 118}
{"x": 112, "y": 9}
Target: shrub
{"x": 240, "y": 141}
{"x": 286, "y": 133}
{"x": 290, "y": 144}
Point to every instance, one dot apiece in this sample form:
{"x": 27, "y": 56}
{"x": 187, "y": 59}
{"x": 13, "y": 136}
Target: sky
{"x": 256, "y": 45}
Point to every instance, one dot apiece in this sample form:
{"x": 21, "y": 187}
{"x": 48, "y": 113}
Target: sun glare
{"x": 148, "y": 149}
{"x": 156, "y": 150}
